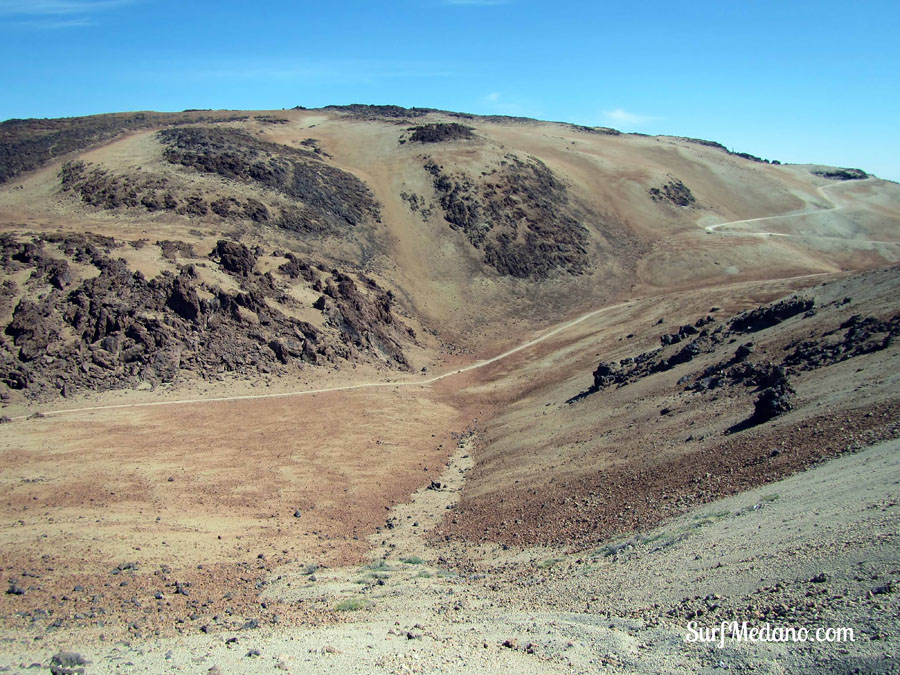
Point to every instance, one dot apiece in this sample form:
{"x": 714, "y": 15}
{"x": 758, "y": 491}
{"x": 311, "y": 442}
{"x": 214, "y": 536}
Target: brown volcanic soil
{"x": 558, "y": 468}
{"x": 208, "y": 492}
{"x": 102, "y": 541}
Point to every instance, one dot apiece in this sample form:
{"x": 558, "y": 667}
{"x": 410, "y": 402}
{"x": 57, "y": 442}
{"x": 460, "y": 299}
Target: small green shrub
{"x": 353, "y": 604}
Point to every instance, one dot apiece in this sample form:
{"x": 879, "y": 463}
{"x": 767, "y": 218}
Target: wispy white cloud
{"x": 621, "y": 116}
{"x": 55, "y": 14}
{"x": 54, "y": 24}
{"x": 58, "y": 7}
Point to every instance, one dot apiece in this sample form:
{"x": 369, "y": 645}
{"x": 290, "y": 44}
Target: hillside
{"x": 272, "y": 381}
{"x": 477, "y": 229}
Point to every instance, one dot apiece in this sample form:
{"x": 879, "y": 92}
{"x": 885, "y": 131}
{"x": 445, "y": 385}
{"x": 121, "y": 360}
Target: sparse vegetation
{"x": 380, "y": 566}
{"x": 549, "y": 562}
{"x": 353, "y": 605}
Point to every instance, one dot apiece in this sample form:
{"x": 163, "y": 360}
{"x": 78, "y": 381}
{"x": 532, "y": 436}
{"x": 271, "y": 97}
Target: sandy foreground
{"x": 816, "y": 550}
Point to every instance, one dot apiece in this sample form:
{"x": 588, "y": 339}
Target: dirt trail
{"x": 805, "y": 212}
{"x": 366, "y": 385}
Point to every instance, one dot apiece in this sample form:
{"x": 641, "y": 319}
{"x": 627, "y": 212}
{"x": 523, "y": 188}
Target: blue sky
{"x": 791, "y": 80}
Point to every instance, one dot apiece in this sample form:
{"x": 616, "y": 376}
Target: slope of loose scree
{"x": 721, "y": 405}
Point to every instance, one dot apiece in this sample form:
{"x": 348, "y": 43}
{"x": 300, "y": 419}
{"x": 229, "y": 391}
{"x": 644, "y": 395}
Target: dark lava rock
{"x": 843, "y": 174}
{"x": 521, "y": 217}
{"x": 683, "y": 332}
{"x": 440, "y": 132}
{"x": 234, "y": 257}
{"x": 118, "y": 330}
{"x": 674, "y": 192}
{"x": 67, "y": 663}
{"x": 772, "y": 402}
{"x": 863, "y": 335}
{"x": 296, "y": 268}
{"x": 174, "y": 249}
{"x": 743, "y": 352}
{"x": 605, "y": 375}
{"x": 769, "y": 315}
{"x": 321, "y": 197}
{"x": 184, "y": 299}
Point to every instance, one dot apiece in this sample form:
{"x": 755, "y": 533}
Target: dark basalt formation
{"x": 719, "y": 146}
{"x": 602, "y": 131}
{"x": 674, "y": 192}
{"x": 520, "y": 216}
{"x": 440, "y": 133}
{"x": 29, "y": 144}
{"x": 843, "y": 174}
{"x": 767, "y": 316}
{"x": 303, "y": 193}
{"x": 856, "y": 336}
{"x": 861, "y": 335}
{"x": 323, "y": 198}
{"x": 98, "y": 188}
{"x": 119, "y": 329}
{"x": 382, "y": 112}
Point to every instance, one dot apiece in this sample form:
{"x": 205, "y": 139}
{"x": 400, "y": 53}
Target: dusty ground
{"x": 216, "y": 493}
{"x": 355, "y": 518}
{"x": 227, "y": 515}
{"x": 818, "y": 550}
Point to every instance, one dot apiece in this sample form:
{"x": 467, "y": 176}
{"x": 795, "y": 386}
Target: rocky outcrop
{"x": 856, "y": 336}
{"x": 28, "y": 144}
{"x": 234, "y": 257}
{"x": 675, "y": 192}
{"x": 119, "y": 329}
{"x": 842, "y": 174}
{"x": 770, "y": 315}
{"x": 861, "y": 335}
{"x": 365, "y": 321}
{"x": 322, "y": 198}
{"x": 440, "y": 133}
{"x": 521, "y": 217}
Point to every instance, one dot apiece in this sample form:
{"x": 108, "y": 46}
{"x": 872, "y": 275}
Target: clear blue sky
{"x": 791, "y": 80}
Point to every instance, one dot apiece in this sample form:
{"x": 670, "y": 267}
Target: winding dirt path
{"x": 806, "y": 212}
{"x": 486, "y": 362}
{"x": 368, "y": 385}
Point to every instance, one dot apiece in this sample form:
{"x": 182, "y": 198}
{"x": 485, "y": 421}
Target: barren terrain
{"x": 414, "y": 391}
